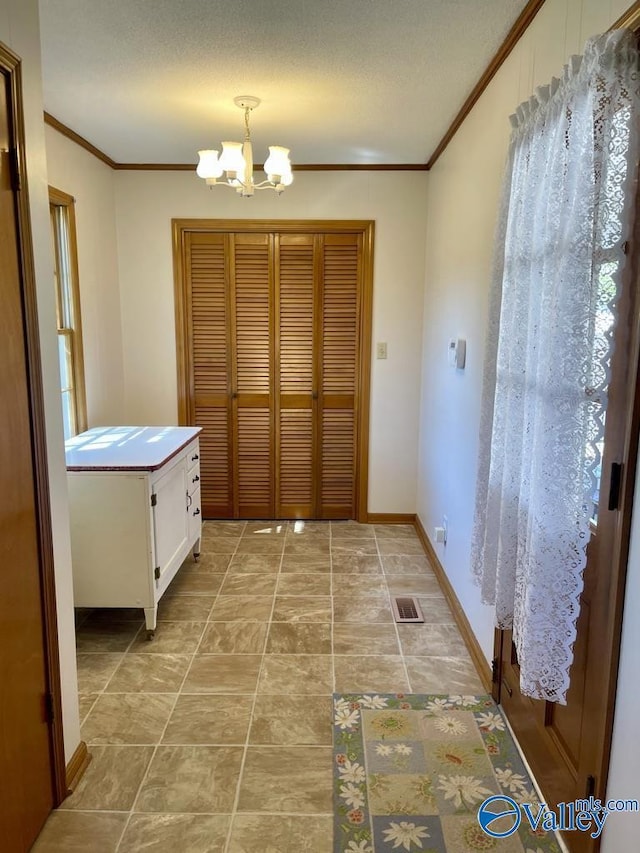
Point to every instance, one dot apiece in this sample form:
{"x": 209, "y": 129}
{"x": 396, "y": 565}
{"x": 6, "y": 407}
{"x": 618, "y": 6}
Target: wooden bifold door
{"x": 273, "y": 332}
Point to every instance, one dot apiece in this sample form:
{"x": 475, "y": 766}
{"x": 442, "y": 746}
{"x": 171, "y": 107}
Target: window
{"x": 63, "y": 228}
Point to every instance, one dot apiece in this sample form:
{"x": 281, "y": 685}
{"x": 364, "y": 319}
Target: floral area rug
{"x": 411, "y": 771}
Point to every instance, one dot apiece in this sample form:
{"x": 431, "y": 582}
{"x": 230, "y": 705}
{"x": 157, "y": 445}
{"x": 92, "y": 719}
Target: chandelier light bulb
{"x": 277, "y": 163}
{"x": 231, "y": 158}
{"x": 208, "y": 164}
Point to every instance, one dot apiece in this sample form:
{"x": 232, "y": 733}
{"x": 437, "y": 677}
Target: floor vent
{"x": 406, "y": 609}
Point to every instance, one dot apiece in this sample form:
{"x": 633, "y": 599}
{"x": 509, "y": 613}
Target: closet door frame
{"x": 366, "y": 228}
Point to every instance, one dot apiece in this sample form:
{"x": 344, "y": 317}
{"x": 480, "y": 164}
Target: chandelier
{"x": 236, "y": 161}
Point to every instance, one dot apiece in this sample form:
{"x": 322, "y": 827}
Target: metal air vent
{"x": 406, "y": 609}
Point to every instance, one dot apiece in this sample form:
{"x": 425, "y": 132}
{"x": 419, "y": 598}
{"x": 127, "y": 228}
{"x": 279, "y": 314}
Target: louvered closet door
{"x": 207, "y": 278}
{"x": 338, "y": 374}
{"x": 253, "y": 375}
{"x": 297, "y": 277}
{"x": 273, "y": 331}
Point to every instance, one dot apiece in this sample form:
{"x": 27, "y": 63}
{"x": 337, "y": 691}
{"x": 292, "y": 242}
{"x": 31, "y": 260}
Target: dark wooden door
{"x": 568, "y": 745}
{"x": 26, "y": 763}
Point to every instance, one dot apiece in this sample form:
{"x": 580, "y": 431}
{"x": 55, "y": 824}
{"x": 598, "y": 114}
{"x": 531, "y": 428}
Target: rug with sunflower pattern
{"x": 411, "y": 771}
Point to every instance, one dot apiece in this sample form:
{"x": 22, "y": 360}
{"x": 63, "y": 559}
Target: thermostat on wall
{"x": 457, "y": 353}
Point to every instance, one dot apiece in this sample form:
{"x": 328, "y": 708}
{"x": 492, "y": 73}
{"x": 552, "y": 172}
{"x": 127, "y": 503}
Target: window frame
{"x": 72, "y": 332}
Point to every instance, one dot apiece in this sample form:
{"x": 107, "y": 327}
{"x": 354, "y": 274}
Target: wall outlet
{"x": 381, "y": 350}
{"x": 445, "y": 525}
{"x": 440, "y": 535}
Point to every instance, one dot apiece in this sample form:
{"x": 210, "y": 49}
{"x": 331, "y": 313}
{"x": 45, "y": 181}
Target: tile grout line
{"x": 102, "y": 691}
{"x": 395, "y": 624}
{"x": 145, "y": 775}
{"x": 332, "y": 602}
{"x": 236, "y": 800}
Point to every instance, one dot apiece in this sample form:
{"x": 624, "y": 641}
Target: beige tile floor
{"x": 216, "y": 735}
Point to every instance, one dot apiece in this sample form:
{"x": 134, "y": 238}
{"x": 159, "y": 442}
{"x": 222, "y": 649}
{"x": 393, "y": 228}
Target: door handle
{"x": 190, "y": 499}
{"x": 234, "y": 395}
{"x": 314, "y": 395}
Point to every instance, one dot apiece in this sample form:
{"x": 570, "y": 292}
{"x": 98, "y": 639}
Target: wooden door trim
{"x": 274, "y": 336}
{"x": 620, "y": 561}
{"x": 363, "y": 227}
{"x": 364, "y": 358}
{"x": 11, "y": 67}
{"x": 607, "y": 640}
{"x": 59, "y": 198}
{"x": 317, "y": 333}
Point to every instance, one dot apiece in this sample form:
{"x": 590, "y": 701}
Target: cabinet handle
{"x": 196, "y": 511}
{"x": 190, "y": 499}
{"x": 195, "y": 457}
{"x": 315, "y": 395}
{"x": 196, "y": 479}
{"x": 234, "y": 396}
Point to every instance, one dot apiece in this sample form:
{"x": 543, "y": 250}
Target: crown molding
{"x": 630, "y": 19}
{"x": 53, "y": 122}
{"x": 513, "y": 37}
{"x": 515, "y": 33}
{"x": 297, "y": 167}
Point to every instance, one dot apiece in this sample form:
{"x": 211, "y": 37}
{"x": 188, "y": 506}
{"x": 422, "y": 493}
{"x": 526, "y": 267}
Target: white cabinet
{"x": 134, "y": 498}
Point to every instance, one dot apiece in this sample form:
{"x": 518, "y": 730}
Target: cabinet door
{"x": 170, "y": 518}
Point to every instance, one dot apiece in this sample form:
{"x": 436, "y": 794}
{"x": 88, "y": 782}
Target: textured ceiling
{"x": 341, "y": 81}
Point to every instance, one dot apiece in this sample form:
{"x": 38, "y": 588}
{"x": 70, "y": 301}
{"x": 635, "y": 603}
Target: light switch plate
{"x": 381, "y": 350}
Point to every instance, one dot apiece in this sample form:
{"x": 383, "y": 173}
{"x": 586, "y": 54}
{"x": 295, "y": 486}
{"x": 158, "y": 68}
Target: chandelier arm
{"x": 223, "y": 183}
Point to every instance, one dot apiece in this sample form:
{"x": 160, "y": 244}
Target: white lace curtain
{"x": 566, "y": 213}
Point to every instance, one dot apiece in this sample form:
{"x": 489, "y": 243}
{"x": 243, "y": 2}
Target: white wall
{"x": 91, "y": 182}
{"x": 19, "y": 30}
{"x": 147, "y": 201}
{"x": 464, "y": 189}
